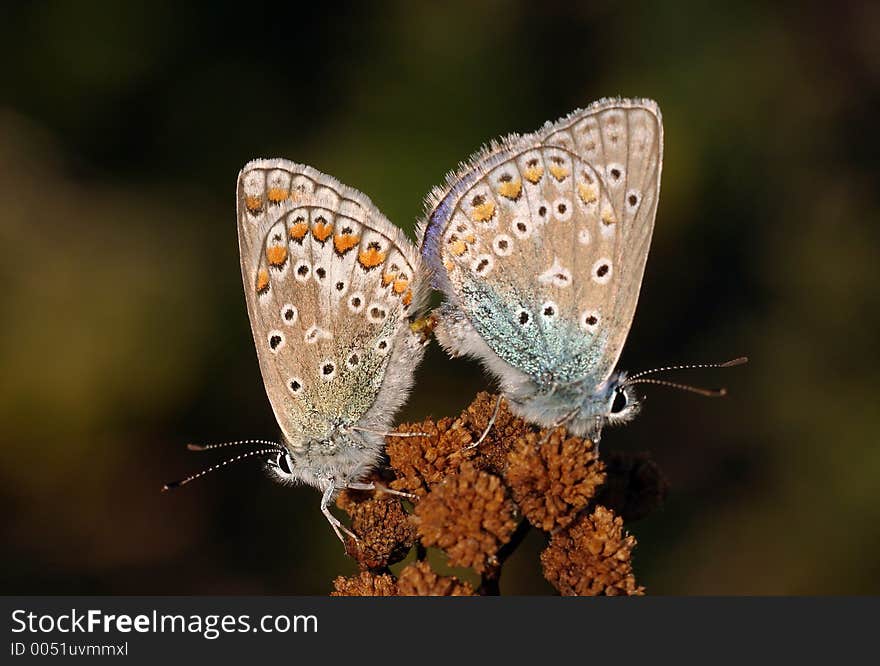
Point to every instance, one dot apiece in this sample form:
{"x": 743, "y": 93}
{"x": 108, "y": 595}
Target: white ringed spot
{"x": 602, "y": 271}
{"x": 289, "y": 314}
{"x": 276, "y": 340}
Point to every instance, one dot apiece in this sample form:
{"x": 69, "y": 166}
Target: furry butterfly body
{"x": 539, "y": 245}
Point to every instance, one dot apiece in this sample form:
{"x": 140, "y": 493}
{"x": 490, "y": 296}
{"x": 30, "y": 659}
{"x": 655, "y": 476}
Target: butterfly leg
{"x": 380, "y": 487}
{"x": 337, "y": 526}
{"x": 561, "y": 422}
{"x": 489, "y": 426}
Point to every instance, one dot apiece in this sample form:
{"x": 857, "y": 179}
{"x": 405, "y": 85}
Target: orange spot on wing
{"x": 388, "y": 278}
{"x": 484, "y": 212}
{"x": 277, "y": 194}
{"x": 587, "y": 193}
{"x": 371, "y": 257}
{"x": 448, "y": 265}
{"x": 400, "y": 286}
{"x": 407, "y": 299}
{"x": 534, "y": 174}
{"x": 322, "y": 231}
{"x": 276, "y": 255}
{"x": 510, "y": 189}
{"x": 298, "y": 230}
{"x": 262, "y": 281}
{"x": 559, "y": 173}
{"x": 253, "y": 203}
{"x": 608, "y": 216}
{"x": 458, "y": 248}
{"x": 344, "y": 242}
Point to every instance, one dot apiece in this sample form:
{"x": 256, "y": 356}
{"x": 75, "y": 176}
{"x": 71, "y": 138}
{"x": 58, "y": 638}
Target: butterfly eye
{"x": 620, "y": 402}
{"x": 285, "y": 464}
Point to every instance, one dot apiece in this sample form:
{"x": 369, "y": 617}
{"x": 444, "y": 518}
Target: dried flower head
{"x": 635, "y": 485}
{"x": 553, "y": 480}
{"x": 470, "y": 516}
{"x": 365, "y": 584}
{"x": 386, "y": 533}
{"x": 506, "y": 429}
{"x": 421, "y": 462}
{"x": 592, "y": 557}
{"x": 419, "y": 580}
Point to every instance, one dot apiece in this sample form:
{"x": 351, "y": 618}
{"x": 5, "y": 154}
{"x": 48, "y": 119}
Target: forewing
{"x": 541, "y": 240}
{"x": 330, "y": 285}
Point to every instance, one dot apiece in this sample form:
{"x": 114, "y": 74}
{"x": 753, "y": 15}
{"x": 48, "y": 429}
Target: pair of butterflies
{"x": 538, "y": 243}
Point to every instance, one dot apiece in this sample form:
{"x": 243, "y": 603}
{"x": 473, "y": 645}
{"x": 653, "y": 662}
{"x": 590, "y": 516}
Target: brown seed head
{"x": 365, "y": 584}
{"x": 591, "y": 557}
{"x": 552, "y": 481}
{"x": 419, "y": 580}
{"x": 469, "y": 516}
{"x": 491, "y": 455}
{"x": 421, "y": 462}
{"x": 385, "y": 531}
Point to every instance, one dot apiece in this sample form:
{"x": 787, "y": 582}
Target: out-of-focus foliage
{"x": 124, "y": 333}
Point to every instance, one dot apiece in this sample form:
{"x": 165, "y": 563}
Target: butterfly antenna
{"x": 212, "y": 468}
{"x": 241, "y": 442}
{"x": 709, "y": 393}
{"x": 692, "y": 366}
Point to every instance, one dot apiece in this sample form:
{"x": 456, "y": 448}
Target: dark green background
{"x": 124, "y": 333}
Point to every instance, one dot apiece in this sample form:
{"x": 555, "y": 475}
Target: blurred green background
{"x": 124, "y": 334}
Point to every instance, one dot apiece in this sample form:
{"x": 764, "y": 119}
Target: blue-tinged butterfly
{"x": 539, "y": 243}
{"x": 332, "y": 288}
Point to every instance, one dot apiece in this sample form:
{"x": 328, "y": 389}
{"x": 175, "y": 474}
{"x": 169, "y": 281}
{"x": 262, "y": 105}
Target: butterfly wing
{"x": 540, "y": 241}
{"x": 330, "y": 285}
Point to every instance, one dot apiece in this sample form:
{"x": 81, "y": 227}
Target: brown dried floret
{"x": 553, "y": 480}
{"x": 365, "y": 584}
{"x": 634, "y": 486}
{"x": 507, "y": 428}
{"x": 470, "y": 516}
{"x": 385, "y": 531}
{"x": 421, "y": 462}
{"x": 592, "y": 557}
{"x": 419, "y": 580}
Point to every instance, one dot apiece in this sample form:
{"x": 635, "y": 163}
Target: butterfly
{"x": 539, "y": 244}
{"x": 332, "y": 288}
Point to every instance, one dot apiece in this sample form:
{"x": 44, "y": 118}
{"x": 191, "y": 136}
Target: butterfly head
{"x": 613, "y": 402}
{"x": 622, "y": 404}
